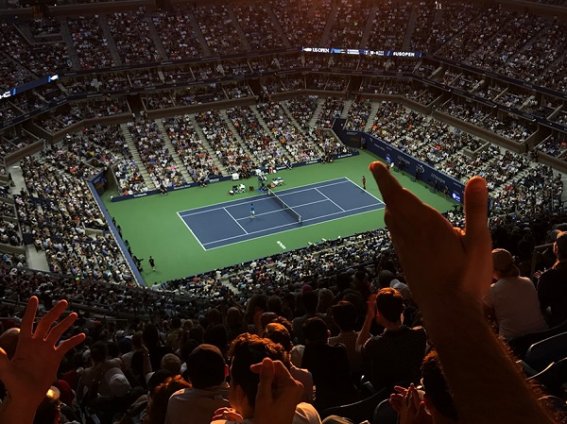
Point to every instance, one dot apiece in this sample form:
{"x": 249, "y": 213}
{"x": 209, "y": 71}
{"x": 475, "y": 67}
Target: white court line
{"x": 293, "y": 223}
{"x": 235, "y": 220}
{"x": 331, "y": 200}
{"x": 191, "y": 231}
{"x": 284, "y": 194}
{"x": 366, "y": 191}
{"x": 283, "y": 210}
{"x": 262, "y": 197}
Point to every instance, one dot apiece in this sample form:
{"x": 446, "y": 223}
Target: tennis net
{"x": 285, "y": 206}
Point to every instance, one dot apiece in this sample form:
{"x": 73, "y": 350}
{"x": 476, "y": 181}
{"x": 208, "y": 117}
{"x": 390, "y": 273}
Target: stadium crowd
{"x": 332, "y": 312}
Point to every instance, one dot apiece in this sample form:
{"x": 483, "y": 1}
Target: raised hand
{"x": 409, "y": 406}
{"x": 449, "y": 270}
{"x": 436, "y": 257}
{"x": 33, "y": 368}
{"x": 278, "y": 393}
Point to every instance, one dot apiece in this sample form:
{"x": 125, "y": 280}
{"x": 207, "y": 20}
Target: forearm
{"x": 364, "y": 333}
{"x": 486, "y": 384}
{"x": 20, "y": 412}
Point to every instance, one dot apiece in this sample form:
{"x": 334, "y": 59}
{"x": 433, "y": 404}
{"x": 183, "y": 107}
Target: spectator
{"x": 207, "y": 372}
{"x": 447, "y": 284}
{"x": 552, "y": 286}
{"x": 393, "y": 357}
{"x": 246, "y": 350}
{"x": 158, "y": 402}
{"x": 329, "y": 366}
{"x": 278, "y": 333}
{"x": 344, "y": 316}
{"x": 513, "y": 299}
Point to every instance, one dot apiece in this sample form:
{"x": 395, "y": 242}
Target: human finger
{"x": 476, "y": 208}
{"x": 49, "y": 318}
{"x": 26, "y": 327}
{"x": 58, "y": 330}
{"x": 4, "y": 361}
{"x": 400, "y": 389}
{"x": 388, "y": 185}
{"x": 398, "y": 232}
{"x": 396, "y": 402}
{"x": 266, "y": 371}
{"x": 66, "y": 345}
{"x": 219, "y": 413}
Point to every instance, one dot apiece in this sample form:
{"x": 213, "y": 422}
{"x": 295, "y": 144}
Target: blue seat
{"x": 546, "y": 351}
{"x": 553, "y": 377}
{"x": 357, "y": 411}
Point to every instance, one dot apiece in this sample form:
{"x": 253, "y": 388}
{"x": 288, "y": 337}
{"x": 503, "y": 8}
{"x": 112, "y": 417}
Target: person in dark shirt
{"x": 394, "y": 357}
{"x": 328, "y": 365}
{"x": 552, "y": 285}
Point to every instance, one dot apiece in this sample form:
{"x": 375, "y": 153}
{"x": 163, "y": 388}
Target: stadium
{"x": 198, "y": 170}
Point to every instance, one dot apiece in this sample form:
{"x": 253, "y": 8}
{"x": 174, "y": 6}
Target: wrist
{"x": 17, "y": 411}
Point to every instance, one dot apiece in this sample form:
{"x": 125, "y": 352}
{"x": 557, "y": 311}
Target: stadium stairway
{"x": 235, "y": 134}
{"x": 107, "y": 34}
{"x": 71, "y": 51}
{"x": 328, "y": 28}
{"x": 136, "y": 155}
{"x": 368, "y": 27}
{"x": 410, "y": 29}
{"x": 206, "y": 145}
{"x": 198, "y": 34}
{"x": 316, "y": 146}
{"x": 373, "y": 111}
{"x": 243, "y": 40}
{"x": 176, "y": 158}
{"x": 260, "y": 119}
{"x": 278, "y": 27}
{"x": 529, "y": 44}
{"x": 155, "y": 38}
{"x": 346, "y": 109}
{"x": 290, "y": 116}
{"x": 317, "y": 112}
{"x": 35, "y": 259}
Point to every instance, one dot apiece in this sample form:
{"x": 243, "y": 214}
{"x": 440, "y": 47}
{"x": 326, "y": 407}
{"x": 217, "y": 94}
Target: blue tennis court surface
{"x": 231, "y": 222}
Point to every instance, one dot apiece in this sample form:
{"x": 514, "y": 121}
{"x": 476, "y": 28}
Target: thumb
{"x": 266, "y": 379}
{"x": 4, "y": 362}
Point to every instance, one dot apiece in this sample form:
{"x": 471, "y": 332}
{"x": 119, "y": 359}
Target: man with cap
{"x": 552, "y": 286}
{"x": 513, "y": 299}
{"x": 207, "y": 371}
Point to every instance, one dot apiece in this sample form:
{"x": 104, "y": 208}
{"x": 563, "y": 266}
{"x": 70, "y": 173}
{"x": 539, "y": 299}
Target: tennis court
{"x": 283, "y": 210}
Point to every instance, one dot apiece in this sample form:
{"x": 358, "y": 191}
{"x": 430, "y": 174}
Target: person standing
{"x": 252, "y": 211}
{"x": 152, "y": 263}
{"x": 364, "y": 182}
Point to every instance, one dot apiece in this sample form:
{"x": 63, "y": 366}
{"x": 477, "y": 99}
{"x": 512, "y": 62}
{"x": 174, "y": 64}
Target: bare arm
{"x": 364, "y": 333}
{"x": 449, "y": 272}
{"x": 33, "y": 368}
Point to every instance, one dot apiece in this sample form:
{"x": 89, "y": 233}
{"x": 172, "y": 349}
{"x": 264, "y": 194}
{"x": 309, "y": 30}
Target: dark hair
{"x": 248, "y": 349}
{"x": 436, "y": 386}
{"x": 160, "y": 397}
{"x": 309, "y": 301}
{"x": 315, "y": 330}
{"x": 278, "y": 333}
{"x": 390, "y": 304}
{"x": 99, "y": 352}
{"x": 344, "y": 315}
{"x": 205, "y": 366}
{"x": 257, "y": 301}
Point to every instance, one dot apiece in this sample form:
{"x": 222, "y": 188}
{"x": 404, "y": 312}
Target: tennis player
{"x": 252, "y": 211}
